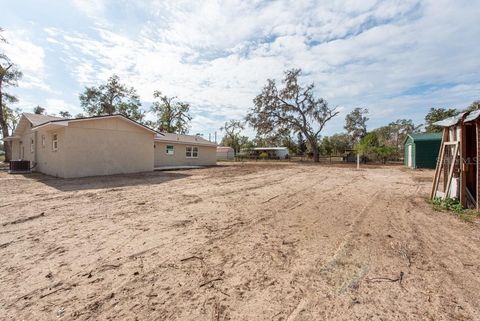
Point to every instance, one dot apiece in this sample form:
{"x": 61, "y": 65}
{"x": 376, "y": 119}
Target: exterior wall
{"x": 105, "y": 147}
{"x": 226, "y": 154}
{"x": 15, "y": 149}
{"x": 207, "y": 155}
{"x": 426, "y": 153}
{"x": 21, "y": 147}
{"x": 43, "y": 159}
{"x": 477, "y": 130}
{"x": 281, "y": 153}
{"x": 48, "y": 161}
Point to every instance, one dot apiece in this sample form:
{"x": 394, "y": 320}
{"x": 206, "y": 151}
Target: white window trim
{"x": 166, "y": 150}
{"x": 54, "y": 143}
{"x": 191, "y": 152}
{"x": 43, "y": 141}
{"x": 32, "y": 145}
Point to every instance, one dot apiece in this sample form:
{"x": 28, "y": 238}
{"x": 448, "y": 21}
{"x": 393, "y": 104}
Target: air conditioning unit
{"x": 19, "y": 167}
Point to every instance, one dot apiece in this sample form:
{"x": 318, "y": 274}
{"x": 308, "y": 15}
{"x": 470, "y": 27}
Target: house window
{"x": 43, "y": 141}
{"x": 55, "y": 142}
{"x": 170, "y": 150}
{"x": 32, "y": 145}
{"x": 191, "y": 152}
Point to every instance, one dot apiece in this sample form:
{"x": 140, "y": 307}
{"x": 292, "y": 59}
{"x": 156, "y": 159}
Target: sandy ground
{"x": 236, "y": 242}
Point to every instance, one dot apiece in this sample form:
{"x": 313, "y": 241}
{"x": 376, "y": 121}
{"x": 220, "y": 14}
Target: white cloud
{"x": 217, "y": 56}
{"x": 55, "y": 106}
{"x": 30, "y": 59}
{"x": 92, "y": 8}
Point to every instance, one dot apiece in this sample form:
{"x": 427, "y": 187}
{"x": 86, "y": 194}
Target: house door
{"x": 410, "y": 156}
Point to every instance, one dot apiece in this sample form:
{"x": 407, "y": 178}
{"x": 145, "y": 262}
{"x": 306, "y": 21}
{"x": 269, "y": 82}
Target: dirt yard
{"x": 236, "y": 242}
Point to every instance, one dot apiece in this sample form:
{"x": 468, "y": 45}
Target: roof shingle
{"x": 185, "y": 139}
{"x": 38, "y": 119}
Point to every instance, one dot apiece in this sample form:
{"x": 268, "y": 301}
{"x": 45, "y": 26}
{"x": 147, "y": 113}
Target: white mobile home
{"x": 273, "y": 152}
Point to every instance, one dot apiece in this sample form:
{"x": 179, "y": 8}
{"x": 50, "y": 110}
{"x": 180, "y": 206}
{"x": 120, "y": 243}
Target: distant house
{"x": 225, "y": 153}
{"x": 184, "y": 150}
{"x": 102, "y": 145}
{"x": 421, "y": 150}
{"x": 272, "y": 152}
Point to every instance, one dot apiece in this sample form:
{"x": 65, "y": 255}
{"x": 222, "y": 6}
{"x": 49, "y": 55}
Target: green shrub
{"x": 453, "y": 205}
{"x": 448, "y": 204}
{"x": 263, "y": 155}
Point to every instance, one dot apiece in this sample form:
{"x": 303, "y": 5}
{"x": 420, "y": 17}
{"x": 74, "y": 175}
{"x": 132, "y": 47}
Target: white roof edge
{"x": 114, "y": 116}
{"x": 160, "y": 139}
{"x": 67, "y": 121}
{"x": 271, "y": 148}
{"x": 9, "y": 138}
{"x": 58, "y": 123}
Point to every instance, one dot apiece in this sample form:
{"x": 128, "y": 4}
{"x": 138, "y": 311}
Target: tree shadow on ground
{"x": 106, "y": 182}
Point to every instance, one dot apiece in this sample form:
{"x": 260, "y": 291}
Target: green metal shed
{"x": 421, "y": 150}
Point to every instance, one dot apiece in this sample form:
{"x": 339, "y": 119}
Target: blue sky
{"x": 396, "y": 58}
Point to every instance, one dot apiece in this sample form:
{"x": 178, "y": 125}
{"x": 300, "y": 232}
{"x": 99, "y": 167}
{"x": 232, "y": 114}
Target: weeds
{"x": 448, "y": 204}
{"x": 453, "y": 205}
{"x": 469, "y": 215}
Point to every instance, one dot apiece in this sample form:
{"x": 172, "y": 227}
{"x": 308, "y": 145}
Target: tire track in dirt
{"x": 433, "y": 239}
{"x": 414, "y": 235}
{"x": 258, "y": 260}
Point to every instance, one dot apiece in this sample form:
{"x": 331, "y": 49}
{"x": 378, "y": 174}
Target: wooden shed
{"x": 421, "y": 150}
{"x": 457, "y": 173}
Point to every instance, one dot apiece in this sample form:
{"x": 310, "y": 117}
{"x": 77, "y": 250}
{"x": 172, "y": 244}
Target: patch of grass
{"x": 2, "y": 158}
{"x": 453, "y": 205}
{"x": 469, "y": 215}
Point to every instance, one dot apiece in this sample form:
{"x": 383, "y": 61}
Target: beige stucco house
{"x": 80, "y": 147}
{"x": 102, "y": 145}
{"x": 184, "y": 150}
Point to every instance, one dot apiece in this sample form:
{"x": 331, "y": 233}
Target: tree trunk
{"x": 316, "y": 154}
{"x": 314, "y": 145}
{"x": 3, "y": 124}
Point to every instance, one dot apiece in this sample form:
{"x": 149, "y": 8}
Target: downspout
{"x": 35, "y": 150}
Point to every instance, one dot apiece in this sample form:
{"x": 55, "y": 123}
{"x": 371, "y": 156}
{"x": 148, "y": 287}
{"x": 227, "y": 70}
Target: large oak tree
{"x": 232, "y": 137}
{"x": 110, "y": 98}
{"x": 291, "y": 107}
{"x": 437, "y": 114}
{"x": 173, "y": 116}
{"x": 9, "y": 77}
{"x": 356, "y": 124}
